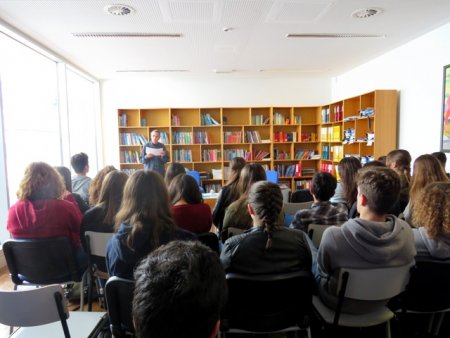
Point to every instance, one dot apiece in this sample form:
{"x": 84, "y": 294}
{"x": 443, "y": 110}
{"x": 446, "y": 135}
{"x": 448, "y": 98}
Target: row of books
{"x": 281, "y": 155}
{"x": 212, "y": 187}
{"x": 260, "y": 120}
{"x": 129, "y": 156}
{"x": 259, "y": 155}
{"x": 330, "y": 134}
{"x": 211, "y": 155}
{"x": 338, "y": 112}
{"x": 307, "y": 154}
{"x": 182, "y": 137}
{"x": 176, "y": 120}
{"x": 303, "y": 184}
{"x": 282, "y": 136}
{"x": 332, "y": 153}
{"x": 253, "y": 136}
{"x": 291, "y": 170}
{"x": 208, "y": 120}
{"x": 229, "y": 154}
{"x": 182, "y": 155}
{"x": 201, "y": 137}
{"x": 279, "y": 118}
{"x": 132, "y": 139}
{"x": 327, "y": 167}
{"x": 123, "y": 120}
{"x": 232, "y": 137}
{"x": 308, "y": 137}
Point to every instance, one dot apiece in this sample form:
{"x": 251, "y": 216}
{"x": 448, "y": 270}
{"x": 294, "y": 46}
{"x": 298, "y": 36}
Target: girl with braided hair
{"x": 268, "y": 247}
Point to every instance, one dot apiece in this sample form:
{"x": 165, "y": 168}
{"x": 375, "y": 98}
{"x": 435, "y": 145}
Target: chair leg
{"x": 90, "y": 282}
{"x": 388, "y": 329}
{"x": 437, "y": 326}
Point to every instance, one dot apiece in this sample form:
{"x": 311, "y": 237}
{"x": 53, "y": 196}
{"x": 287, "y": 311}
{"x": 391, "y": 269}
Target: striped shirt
{"x": 325, "y": 213}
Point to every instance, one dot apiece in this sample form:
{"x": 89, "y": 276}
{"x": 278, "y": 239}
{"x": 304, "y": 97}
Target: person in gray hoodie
{"x": 374, "y": 240}
{"x": 432, "y": 217}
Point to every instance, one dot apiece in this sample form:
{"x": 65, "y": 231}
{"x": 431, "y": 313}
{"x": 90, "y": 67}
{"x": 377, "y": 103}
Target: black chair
{"x": 268, "y": 303}
{"x": 428, "y": 292}
{"x": 119, "y": 296}
{"x": 301, "y": 195}
{"x": 210, "y": 240}
{"x": 41, "y": 261}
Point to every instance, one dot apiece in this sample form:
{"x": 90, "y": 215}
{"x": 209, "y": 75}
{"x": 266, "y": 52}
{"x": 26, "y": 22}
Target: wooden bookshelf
{"x": 296, "y": 141}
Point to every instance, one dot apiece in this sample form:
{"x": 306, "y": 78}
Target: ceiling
{"x": 241, "y": 37}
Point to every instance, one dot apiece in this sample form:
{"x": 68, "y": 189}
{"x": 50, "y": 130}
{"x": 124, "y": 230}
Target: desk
{"x": 80, "y": 325}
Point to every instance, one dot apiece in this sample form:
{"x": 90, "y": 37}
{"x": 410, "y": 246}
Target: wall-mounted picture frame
{"x": 445, "y": 142}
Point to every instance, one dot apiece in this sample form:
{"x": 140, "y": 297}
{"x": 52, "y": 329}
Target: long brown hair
{"x": 145, "y": 207}
{"x": 184, "y": 187}
{"x": 96, "y": 184}
{"x": 236, "y": 166}
{"x": 251, "y": 173}
{"x": 40, "y": 181}
{"x": 433, "y": 212}
{"x": 111, "y": 194}
{"x": 348, "y": 167}
{"x": 266, "y": 200}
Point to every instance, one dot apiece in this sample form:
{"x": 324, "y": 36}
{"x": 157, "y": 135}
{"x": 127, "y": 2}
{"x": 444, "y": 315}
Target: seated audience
{"x": 268, "y": 247}
{"x": 143, "y": 222}
{"x": 236, "y": 215}
{"x": 375, "y": 240}
{"x": 229, "y": 192}
{"x": 173, "y": 169}
{"x": 180, "y": 292}
{"x": 427, "y": 169}
{"x": 189, "y": 211}
{"x": 432, "y": 216}
{"x": 346, "y": 189}
{"x": 41, "y": 212}
{"x": 96, "y": 184}
{"x": 68, "y": 194}
{"x": 442, "y": 159}
{"x": 81, "y": 182}
{"x": 322, "y": 210}
{"x": 399, "y": 160}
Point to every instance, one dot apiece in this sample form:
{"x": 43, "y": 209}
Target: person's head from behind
{"x": 97, "y": 182}
{"x": 80, "y": 163}
{"x": 433, "y": 212}
{"x": 173, "y": 170}
{"x": 40, "y": 182}
{"x": 250, "y": 174}
{"x": 145, "y": 206}
{"x": 378, "y": 190}
{"x": 65, "y": 174}
{"x": 184, "y": 189}
{"x": 375, "y": 163}
{"x": 180, "y": 292}
{"x": 155, "y": 136}
{"x": 427, "y": 169}
{"x": 265, "y": 202}
{"x": 323, "y": 186}
{"x": 348, "y": 167}
{"x": 400, "y": 161}
{"x": 111, "y": 194}
{"x": 442, "y": 158}
{"x": 236, "y": 165}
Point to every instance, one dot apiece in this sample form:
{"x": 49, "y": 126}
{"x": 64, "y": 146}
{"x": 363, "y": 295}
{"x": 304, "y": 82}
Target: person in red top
{"x": 40, "y": 211}
{"x": 189, "y": 211}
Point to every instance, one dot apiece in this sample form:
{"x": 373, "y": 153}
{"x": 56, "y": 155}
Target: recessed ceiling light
{"x": 366, "y": 13}
{"x": 118, "y": 10}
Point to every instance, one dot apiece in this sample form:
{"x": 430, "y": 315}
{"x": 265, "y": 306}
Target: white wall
{"x": 202, "y": 92}
{"x": 416, "y": 70}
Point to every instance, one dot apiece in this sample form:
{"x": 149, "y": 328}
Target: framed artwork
{"x": 445, "y": 144}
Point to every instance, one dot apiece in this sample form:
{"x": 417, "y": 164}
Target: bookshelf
{"x": 295, "y": 141}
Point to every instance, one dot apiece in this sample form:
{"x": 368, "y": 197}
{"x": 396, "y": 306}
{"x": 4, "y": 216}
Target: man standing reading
{"x": 154, "y": 154}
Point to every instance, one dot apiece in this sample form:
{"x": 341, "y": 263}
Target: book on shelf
{"x": 217, "y": 174}
{"x": 232, "y": 137}
{"x": 182, "y": 155}
{"x": 211, "y": 155}
{"x": 253, "y": 136}
{"x": 182, "y": 137}
{"x": 201, "y": 137}
{"x": 208, "y": 120}
{"x": 123, "y": 120}
{"x": 260, "y": 155}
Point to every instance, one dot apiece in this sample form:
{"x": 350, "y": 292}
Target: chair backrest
{"x": 230, "y": 232}
{"x": 119, "y": 296}
{"x": 301, "y": 195}
{"x": 264, "y": 303}
{"x": 210, "y": 240}
{"x": 96, "y": 242}
{"x": 41, "y": 261}
{"x": 33, "y": 307}
{"x": 272, "y": 176}
{"x": 315, "y": 232}
{"x": 428, "y": 289}
{"x": 364, "y": 284}
{"x": 290, "y": 209}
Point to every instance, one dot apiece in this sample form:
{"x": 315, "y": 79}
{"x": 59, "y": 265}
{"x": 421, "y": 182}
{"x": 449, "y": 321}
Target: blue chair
{"x": 195, "y": 174}
{"x": 272, "y": 176}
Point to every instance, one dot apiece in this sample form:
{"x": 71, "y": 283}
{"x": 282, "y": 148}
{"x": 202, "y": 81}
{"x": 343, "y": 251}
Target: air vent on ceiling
{"x": 366, "y": 13}
{"x": 152, "y": 71}
{"x": 333, "y": 35}
{"x": 118, "y": 10}
{"x": 126, "y": 35}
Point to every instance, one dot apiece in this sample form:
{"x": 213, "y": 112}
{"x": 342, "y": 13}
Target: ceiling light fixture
{"x": 333, "y": 35}
{"x": 118, "y": 10}
{"x": 126, "y": 35}
{"x": 365, "y": 13}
